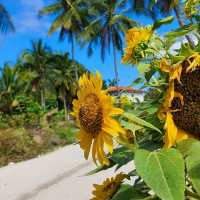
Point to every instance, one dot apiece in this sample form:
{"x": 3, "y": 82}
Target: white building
{"x": 133, "y": 95}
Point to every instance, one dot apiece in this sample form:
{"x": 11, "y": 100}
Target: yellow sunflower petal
{"x": 100, "y": 152}
{"x": 164, "y": 66}
{"x": 109, "y": 122}
{"x": 85, "y": 142}
{"x": 182, "y": 135}
{"x": 170, "y": 95}
{"x": 94, "y": 151}
{"x": 175, "y": 73}
{"x": 110, "y": 131}
{"x": 116, "y": 111}
{"x": 99, "y": 155}
{"x": 194, "y": 63}
{"x": 171, "y": 131}
{"x": 98, "y": 81}
{"x": 108, "y": 142}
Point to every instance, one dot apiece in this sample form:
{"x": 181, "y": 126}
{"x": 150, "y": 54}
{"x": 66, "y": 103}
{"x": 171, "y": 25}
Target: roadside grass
{"x": 23, "y": 143}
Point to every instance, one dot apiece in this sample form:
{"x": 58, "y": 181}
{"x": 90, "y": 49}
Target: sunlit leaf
{"x": 163, "y": 172}
{"x": 190, "y": 149}
{"x": 140, "y": 121}
{"x": 161, "y": 22}
{"x": 128, "y": 192}
{"x": 143, "y": 67}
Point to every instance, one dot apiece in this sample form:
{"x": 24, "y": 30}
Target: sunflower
{"x": 93, "y": 111}
{"x": 108, "y": 188}
{"x": 181, "y": 107}
{"x": 134, "y": 37}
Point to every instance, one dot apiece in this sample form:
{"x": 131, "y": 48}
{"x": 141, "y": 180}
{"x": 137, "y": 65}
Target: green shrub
{"x": 26, "y": 135}
{"x": 67, "y": 133}
{"x": 26, "y": 105}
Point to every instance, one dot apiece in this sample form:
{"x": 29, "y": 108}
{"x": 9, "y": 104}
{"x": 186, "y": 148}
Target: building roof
{"x": 124, "y": 89}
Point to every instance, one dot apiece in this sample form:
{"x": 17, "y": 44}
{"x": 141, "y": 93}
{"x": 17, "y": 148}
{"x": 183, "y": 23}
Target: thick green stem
{"x": 65, "y": 107}
{"x": 43, "y": 99}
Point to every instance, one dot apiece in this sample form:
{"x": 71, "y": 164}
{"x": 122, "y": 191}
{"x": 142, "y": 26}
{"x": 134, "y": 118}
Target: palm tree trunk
{"x": 58, "y": 100}
{"x": 73, "y": 58}
{"x": 65, "y": 107}
{"x": 181, "y": 23}
{"x": 43, "y": 103}
{"x": 115, "y": 65}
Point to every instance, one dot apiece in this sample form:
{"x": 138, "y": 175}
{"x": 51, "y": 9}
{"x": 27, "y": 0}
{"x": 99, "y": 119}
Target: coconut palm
{"x": 35, "y": 60}
{"x": 143, "y": 7}
{"x": 70, "y": 18}
{"x": 8, "y": 87}
{"x": 6, "y": 24}
{"x": 63, "y": 79}
{"x": 107, "y": 27}
{"x": 7, "y": 78}
{"x": 15, "y": 80}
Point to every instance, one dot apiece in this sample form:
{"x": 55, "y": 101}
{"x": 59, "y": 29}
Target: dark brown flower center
{"x": 188, "y": 116}
{"x": 91, "y": 115}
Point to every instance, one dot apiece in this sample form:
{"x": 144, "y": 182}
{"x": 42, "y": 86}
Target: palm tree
{"x": 107, "y": 27}
{"x": 63, "y": 79}
{"x": 143, "y": 7}
{"x": 6, "y": 24}
{"x": 70, "y": 18}
{"x": 8, "y": 87}
{"x": 7, "y": 78}
{"x": 35, "y": 60}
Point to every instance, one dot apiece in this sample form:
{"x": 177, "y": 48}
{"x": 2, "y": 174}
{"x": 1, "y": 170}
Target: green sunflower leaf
{"x": 161, "y": 22}
{"x": 128, "y": 192}
{"x": 163, "y": 172}
{"x": 140, "y": 121}
{"x": 98, "y": 169}
{"x": 130, "y": 126}
{"x": 190, "y": 150}
{"x": 121, "y": 156}
{"x": 143, "y": 68}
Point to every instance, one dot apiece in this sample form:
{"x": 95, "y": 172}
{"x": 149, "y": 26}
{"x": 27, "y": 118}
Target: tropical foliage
{"x": 35, "y": 99}
{"x": 70, "y": 20}
{"x": 107, "y": 28}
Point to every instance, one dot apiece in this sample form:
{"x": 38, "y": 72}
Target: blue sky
{"x": 30, "y": 27}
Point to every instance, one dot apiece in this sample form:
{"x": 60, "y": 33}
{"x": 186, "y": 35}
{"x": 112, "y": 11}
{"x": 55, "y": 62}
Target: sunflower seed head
{"x": 91, "y": 115}
{"x": 188, "y": 115}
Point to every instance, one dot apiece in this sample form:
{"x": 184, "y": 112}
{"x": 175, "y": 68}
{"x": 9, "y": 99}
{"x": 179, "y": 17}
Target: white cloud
{"x": 27, "y": 20}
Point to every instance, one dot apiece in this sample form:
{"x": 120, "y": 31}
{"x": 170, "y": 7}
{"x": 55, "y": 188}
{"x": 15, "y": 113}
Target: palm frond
{"x": 52, "y": 9}
{"x": 6, "y": 24}
{"x": 58, "y": 23}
